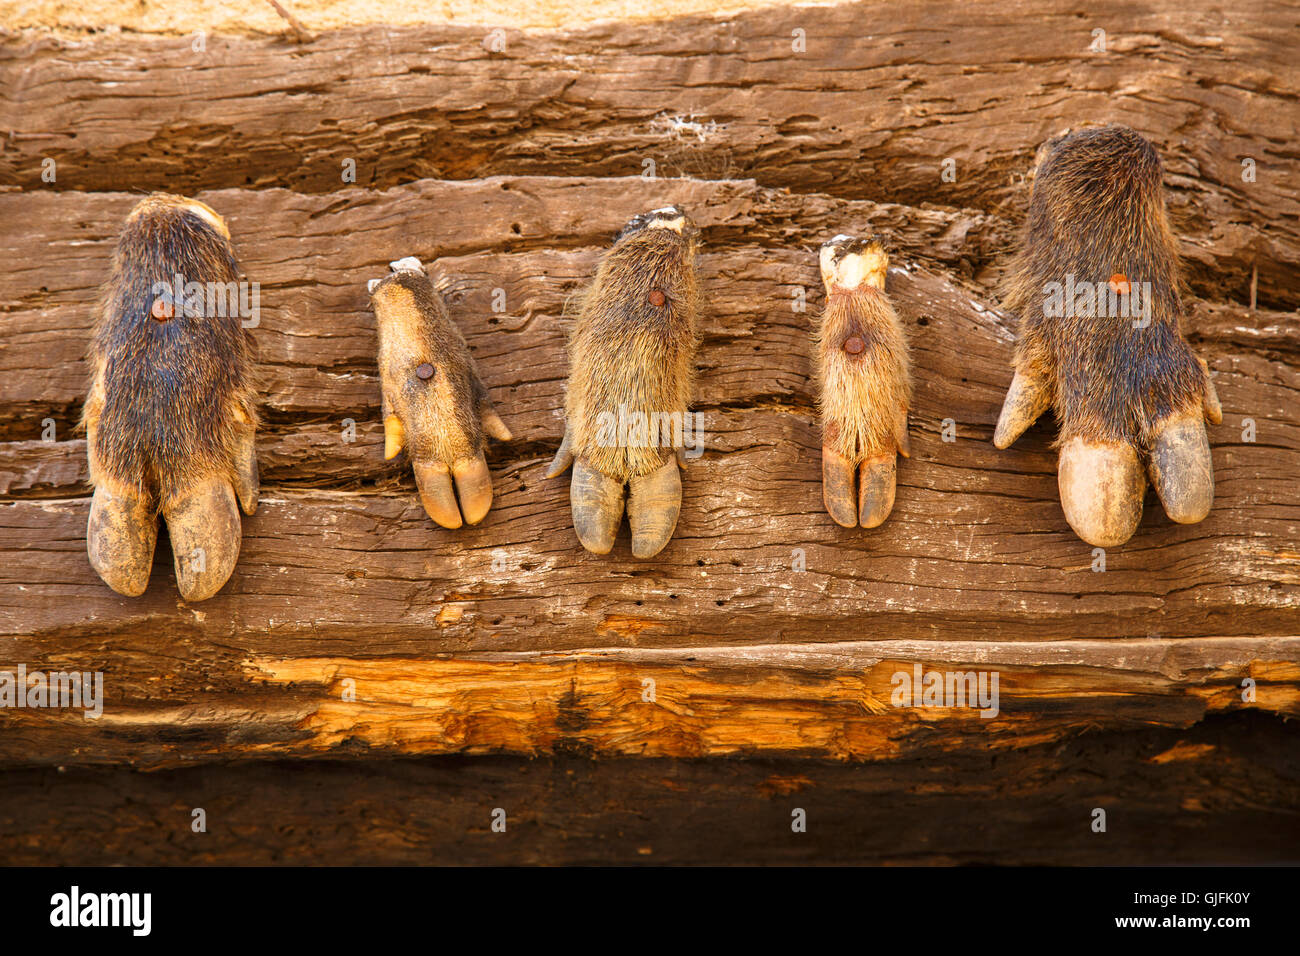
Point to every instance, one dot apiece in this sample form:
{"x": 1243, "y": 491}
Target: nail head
{"x": 424, "y": 372}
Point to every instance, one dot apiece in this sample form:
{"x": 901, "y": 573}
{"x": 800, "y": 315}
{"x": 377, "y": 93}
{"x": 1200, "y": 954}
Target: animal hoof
{"x": 877, "y": 481}
{"x": 120, "y": 539}
{"x": 1027, "y": 398}
{"x": 1181, "y": 468}
{"x": 1108, "y": 354}
{"x": 654, "y": 502}
{"x": 597, "y": 502}
{"x": 435, "y": 406}
{"x": 1101, "y": 486}
{"x": 171, "y": 400}
{"x": 473, "y": 487}
{"x": 838, "y": 492}
{"x": 205, "y": 534}
{"x": 436, "y": 494}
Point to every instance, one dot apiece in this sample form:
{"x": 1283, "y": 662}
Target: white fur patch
{"x": 853, "y": 270}
{"x": 206, "y": 214}
{"x": 409, "y": 264}
{"x": 676, "y": 225}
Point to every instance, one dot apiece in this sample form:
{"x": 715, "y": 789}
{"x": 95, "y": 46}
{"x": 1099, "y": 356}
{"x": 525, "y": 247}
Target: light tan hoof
{"x": 120, "y": 539}
{"x": 1101, "y": 487}
{"x": 205, "y": 534}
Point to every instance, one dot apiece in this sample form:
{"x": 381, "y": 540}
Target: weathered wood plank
{"x": 872, "y": 107}
{"x": 536, "y": 239}
{"x": 1224, "y": 791}
{"x": 814, "y": 700}
{"x": 312, "y": 255}
{"x": 340, "y": 543}
{"x": 965, "y": 513}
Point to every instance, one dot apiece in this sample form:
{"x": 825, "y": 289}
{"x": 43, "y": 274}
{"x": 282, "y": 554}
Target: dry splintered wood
{"x": 828, "y": 701}
{"x": 855, "y": 100}
{"x": 766, "y": 628}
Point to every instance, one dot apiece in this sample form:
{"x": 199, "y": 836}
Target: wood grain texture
{"x": 768, "y": 631}
{"x": 871, "y": 107}
{"x": 1224, "y": 791}
{"x": 342, "y": 574}
{"x": 537, "y": 239}
{"x": 827, "y": 701}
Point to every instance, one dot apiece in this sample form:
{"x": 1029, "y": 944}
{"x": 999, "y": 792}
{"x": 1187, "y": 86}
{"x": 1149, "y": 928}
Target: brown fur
{"x": 864, "y": 398}
{"x": 626, "y": 352}
{"x": 1096, "y": 210}
{"x": 167, "y": 399}
{"x": 441, "y": 415}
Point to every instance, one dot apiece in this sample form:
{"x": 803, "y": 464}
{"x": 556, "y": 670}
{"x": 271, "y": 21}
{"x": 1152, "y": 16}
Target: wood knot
{"x": 424, "y": 372}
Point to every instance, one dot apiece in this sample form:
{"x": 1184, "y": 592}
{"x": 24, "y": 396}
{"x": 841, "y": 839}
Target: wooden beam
{"x": 1222, "y": 792}
{"x": 844, "y": 114}
{"x": 342, "y": 571}
{"x": 827, "y": 700}
{"x": 535, "y": 239}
